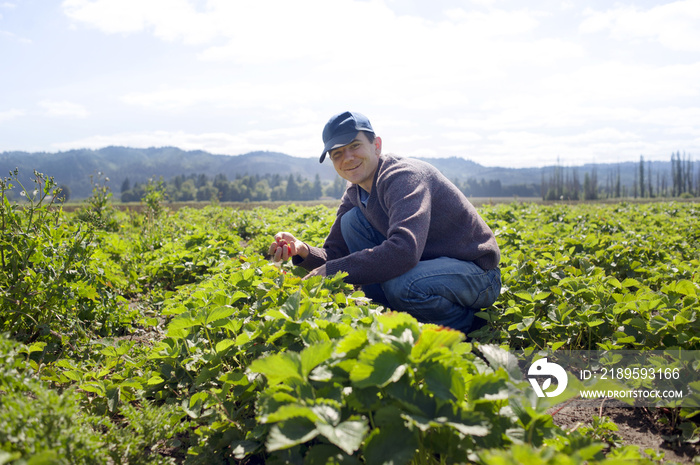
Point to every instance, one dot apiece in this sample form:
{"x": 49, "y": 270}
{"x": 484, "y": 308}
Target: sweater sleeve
{"x": 404, "y": 197}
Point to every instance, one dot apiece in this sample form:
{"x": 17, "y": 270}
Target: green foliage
{"x": 47, "y": 287}
{"x": 41, "y": 425}
{"x": 38, "y": 423}
{"x": 221, "y": 356}
{"x": 154, "y": 197}
{"x": 598, "y": 277}
{"x": 247, "y": 188}
{"x": 99, "y": 211}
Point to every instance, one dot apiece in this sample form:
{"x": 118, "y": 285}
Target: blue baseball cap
{"x": 342, "y": 129}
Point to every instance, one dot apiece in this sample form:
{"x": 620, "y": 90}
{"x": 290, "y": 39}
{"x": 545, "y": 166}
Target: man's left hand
{"x": 320, "y": 271}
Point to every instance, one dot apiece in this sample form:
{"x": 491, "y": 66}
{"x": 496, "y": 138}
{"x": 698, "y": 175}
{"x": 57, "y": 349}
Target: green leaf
{"x": 314, "y": 355}
{"x": 595, "y": 322}
{"x": 154, "y": 380}
{"x": 290, "y": 433}
{"x": 96, "y": 388}
{"x": 412, "y": 399}
{"x": 289, "y": 411}
{"x": 326, "y": 454}
{"x": 279, "y": 367}
{"x": 113, "y": 395}
{"x": 348, "y": 435}
{"x": 392, "y": 445}
{"x": 501, "y": 358}
{"x": 489, "y": 387}
{"x": 378, "y": 365}
{"x": 630, "y": 282}
{"x": 220, "y": 313}
{"x": 685, "y": 287}
{"x": 181, "y": 322}
{"x": 445, "y": 382}
{"x": 557, "y": 345}
{"x": 433, "y": 338}
{"x": 350, "y": 345}
{"x": 291, "y": 305}
{"x": 36, "y": 347}
{"x": 223, "y": 345}
{"x": 470, "y": 430}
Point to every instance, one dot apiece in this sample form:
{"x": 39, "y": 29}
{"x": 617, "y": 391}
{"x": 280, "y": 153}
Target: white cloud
{"x": 465, "y": 136}
{"x": 11, "y": 114}
{"x": 524, "y": 148}
{"x": 238, "y": 95}
{"x": 63, "y": 108}
{"x": 675, "y": 25}
{"x": 494, "y": 22}
{"x": 514, "y": 84}
{"x": 281, "y": 31}
{"x": 167, "y": 19}
{"x": 14, "y": 37}
{"x": 431, "y": 65}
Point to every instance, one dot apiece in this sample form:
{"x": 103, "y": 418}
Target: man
{"x": 403, "y": 231}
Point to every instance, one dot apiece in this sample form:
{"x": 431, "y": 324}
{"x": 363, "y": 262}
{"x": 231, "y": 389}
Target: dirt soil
{"x": 637, "y": 426}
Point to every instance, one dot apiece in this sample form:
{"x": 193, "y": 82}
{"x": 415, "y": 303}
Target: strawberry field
{"x": 167, "y": 336}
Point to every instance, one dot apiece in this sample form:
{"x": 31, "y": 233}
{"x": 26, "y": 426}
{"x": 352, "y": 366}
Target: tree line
{"x": 472, "y": 187}
{"x": 561, "y": 183}
{"x": 272, "y": 187}
{"x": 251, "y": 188}
{"x": 566, "y": 183}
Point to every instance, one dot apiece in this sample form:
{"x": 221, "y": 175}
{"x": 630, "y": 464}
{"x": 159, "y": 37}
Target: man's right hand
{"x": 286, "y": 246}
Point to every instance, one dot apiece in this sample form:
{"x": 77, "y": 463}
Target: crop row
{"x": 168, "y": 337}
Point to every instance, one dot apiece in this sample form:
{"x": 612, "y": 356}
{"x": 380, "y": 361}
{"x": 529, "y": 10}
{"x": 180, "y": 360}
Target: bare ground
{"x": 638, "y": 426}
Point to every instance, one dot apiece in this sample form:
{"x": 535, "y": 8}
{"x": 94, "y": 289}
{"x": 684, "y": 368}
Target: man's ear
{"x": 378, "y": 145}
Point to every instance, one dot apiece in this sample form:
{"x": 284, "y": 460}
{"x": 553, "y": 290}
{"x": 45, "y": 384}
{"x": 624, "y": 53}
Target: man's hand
{"x": 286, "y": 246}
{"x": 320, "y": 271}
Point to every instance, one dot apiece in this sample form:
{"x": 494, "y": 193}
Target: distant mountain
{"x": 74, "y": 168}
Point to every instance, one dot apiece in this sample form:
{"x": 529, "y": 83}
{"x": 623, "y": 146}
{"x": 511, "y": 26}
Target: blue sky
{"x": 500, "y": 82}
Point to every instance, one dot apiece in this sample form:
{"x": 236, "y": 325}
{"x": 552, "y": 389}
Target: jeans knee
{"x": 395, "y": 292}
{"x": 406, "y": 295}
{"x": 490, "y": 294}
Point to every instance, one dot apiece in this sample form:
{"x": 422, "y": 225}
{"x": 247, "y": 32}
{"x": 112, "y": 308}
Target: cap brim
{"x": 338, "y": 141}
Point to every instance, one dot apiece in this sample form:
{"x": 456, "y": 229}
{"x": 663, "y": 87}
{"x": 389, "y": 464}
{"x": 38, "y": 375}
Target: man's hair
{"x": 370, "y": 136}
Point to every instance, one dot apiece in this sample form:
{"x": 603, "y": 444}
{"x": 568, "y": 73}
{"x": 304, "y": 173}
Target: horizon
{"x": 556, "y": 164}
{"x": 492, "y": 81}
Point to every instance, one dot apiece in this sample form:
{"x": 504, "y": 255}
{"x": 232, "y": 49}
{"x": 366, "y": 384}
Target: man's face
{"x": 357, "y": 162}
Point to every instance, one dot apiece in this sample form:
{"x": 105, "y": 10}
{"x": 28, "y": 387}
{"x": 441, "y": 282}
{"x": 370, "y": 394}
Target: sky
{"x": 500, "y": 82}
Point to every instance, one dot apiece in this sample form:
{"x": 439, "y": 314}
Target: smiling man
{"x": 403, "y": 232}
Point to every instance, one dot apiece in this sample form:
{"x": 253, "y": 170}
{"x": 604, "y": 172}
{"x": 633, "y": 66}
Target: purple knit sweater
{"x": 420, "y": 212}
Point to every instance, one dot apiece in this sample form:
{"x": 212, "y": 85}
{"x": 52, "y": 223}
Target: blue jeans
{"x": 444, "y": 291}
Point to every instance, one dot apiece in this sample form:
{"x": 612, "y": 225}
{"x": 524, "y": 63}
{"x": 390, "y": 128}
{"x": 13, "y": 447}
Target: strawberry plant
{"x": 195, "y": 348}
{"x": 595, "y": 276}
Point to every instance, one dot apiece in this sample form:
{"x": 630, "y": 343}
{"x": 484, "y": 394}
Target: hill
{"x": 74, "y": 167}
